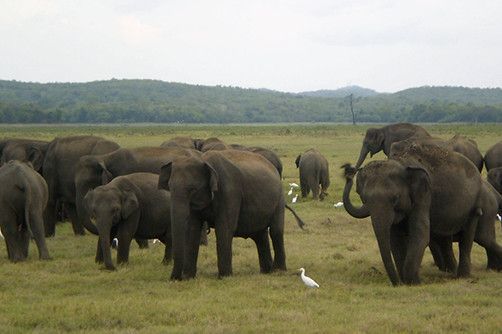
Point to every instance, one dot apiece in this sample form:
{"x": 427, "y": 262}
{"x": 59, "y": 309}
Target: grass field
{"x": 71, "y": 293}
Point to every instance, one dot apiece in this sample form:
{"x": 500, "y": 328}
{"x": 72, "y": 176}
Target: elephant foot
{"x": 110, "y": 268}
{"x": 46, "y": 258}
{"x": 166, "y": 262}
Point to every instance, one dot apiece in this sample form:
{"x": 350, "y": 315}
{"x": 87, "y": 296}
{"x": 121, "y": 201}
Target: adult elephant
{"x": 378, "y": 139}
{"x": 423, "y": 190}
{"x": 212, "y": 144}
{"x": 493, "y": 157}
{"x": 59, "y": 167}
{"x": 128, "y": 207}
{"x": 494, "y": 177}
{"x": 467, "y": 147}
{"x": 23, "y": 197}
{"x": 96, "y": 170}
{"x": 314, "y": 173}
{"x": 26, "y": 150}
{"x": 239, "y": 194}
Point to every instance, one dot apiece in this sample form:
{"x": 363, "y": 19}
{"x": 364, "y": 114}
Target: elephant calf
{"x": 23, "y": 198}
{"x": 128, "y": 207}
{"x": 314, "y": 172}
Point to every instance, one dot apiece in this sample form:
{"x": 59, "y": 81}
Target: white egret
{"x": 1, "y": 235}
{"x": 294, "y": 185}
{"x": 115, "y": 242}
{"x": 155, "y": 241}
{"x": 294, "y": 199}
{"x": 307, "y": 280}
{"x": 290, "y": 191}
{"x": 339, "y": 204}
{"x": 499, "y": 217}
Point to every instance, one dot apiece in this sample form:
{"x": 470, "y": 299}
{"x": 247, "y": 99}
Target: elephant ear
{"x": 36, "y": 157}
{"x": 213, "y": 178}
{"x": 88, "y": 198}
{"x": 420, "y": 185}
{"x": 165, "y": 175}
{"x": 106, "y": 175}
{"x": 129, "y": 204}
{"x": 297, "y": 161}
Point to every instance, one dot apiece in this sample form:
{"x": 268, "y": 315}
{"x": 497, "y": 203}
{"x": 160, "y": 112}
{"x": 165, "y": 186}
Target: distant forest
{"x": 128, "y": 101}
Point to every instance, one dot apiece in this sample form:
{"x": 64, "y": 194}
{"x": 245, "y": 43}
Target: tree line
{"x": 131, "y": 101}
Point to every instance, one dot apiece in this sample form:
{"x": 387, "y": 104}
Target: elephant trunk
{"x": 355, "y": 212}
{"x": 362, "y": 156}
{"x": 104, "y": 228}
{"x": 82, "y": 213}
{"x": 381, "y": 228}
{"x": 180, "y": 212}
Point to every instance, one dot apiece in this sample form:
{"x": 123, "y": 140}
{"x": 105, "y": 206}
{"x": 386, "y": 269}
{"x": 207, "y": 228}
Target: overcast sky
{"x": 290, "y": 45}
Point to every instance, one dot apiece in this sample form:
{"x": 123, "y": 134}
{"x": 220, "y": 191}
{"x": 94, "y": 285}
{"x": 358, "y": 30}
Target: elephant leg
{"x": 304, "y": 186}
{"x": 203, "y": 234}
{"x": 443, "y": 250}
{"x": 224, "y": 250}
{"x": 313, "y": 183}
{"x": 486, "y": 237}
{"x": 277, "y": 236}
{"x": 167, "y": 240}
{"x": 76, "y": 224}
{"x": 99, "y": 253}
{"x": 50, "y": 219}
{"x": 24, "y": 242}
{"x": 193, "y": 236}
{"x": 398, "y": 242}
{"x": 263, "y": 247}
{"x": 124, "y": 238}
{"x": 37, "y": 228}
{"x": 142, "y": 243}
{"x": 465, "y": 247}
{"x": 418, "y": 239}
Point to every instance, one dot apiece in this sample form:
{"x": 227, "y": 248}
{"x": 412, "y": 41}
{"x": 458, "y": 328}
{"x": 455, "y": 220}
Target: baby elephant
{"x": 23, "y": 198}
{"x": 314, "y": 171}
{"x": 128, "y": 207}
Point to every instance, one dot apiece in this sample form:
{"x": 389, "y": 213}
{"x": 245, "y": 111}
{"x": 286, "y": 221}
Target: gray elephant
{"x": 183, "y": 142}
{"x": 266, "y": 153}
{"x": 493, "y": 157}
{"x": 212, "y": 144}
{"x": 239, "y": 194}
{"x": 23, "y": 196}
{"x": 95, "y": 170}
{"x": 494, "y": 177}
{"x": 314, "y": 173}
{"x": 128, "y": 207}
{"x": 469, "y": 148}
{"x": 423, "y": 190}
{"x": 377, "y": 139}
{"x": 60, "y": 161}
{"x": 24, "y": 150}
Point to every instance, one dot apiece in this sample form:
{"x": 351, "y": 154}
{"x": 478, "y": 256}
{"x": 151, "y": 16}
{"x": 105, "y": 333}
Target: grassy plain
{"x": 71, "y": 293}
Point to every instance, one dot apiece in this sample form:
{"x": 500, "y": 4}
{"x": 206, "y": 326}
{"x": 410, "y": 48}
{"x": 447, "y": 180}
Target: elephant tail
{"x": 299, "y": 221}
{"x": 28, "y": 198}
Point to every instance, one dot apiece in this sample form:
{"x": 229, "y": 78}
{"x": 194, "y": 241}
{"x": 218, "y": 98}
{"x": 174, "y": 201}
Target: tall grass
{"x": 72, "y": 293}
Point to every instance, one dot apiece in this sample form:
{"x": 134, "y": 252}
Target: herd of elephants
{"x": 429, "y": 192}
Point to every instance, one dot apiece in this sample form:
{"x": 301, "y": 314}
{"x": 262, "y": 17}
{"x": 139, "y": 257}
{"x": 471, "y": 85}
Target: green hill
{"x": 158, "y": 101}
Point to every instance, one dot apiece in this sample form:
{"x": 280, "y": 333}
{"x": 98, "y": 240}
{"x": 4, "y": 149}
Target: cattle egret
{"x": 294, "y": 185}
{"x": 290, "y": 191}
{"x": 294, "y": 199}
{"x": 155, "y": 241}
{"x": 115, "y": 242}
{"x": 307, "y": 280}
{"x": 1, "y": 235}
{"x": 499, "y": 217}
{"x": 339, "y": 204}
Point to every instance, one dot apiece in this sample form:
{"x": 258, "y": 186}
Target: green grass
{"x": 72, "y": 293}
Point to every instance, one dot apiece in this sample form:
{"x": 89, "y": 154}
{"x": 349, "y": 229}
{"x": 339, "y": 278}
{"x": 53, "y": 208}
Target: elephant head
{"x": 109, "y": 205}
{"x": 373, "y": 143}
{"x": 495, "y": 178}
{"x": 192, "y": 183}
{"x": 91, "y": 172}
{"x": 391, "y": 193}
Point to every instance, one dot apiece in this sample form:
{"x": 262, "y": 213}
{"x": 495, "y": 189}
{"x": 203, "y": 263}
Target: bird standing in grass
{"x": 307, "y": 280}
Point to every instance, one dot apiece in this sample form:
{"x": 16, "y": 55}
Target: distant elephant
{"x": 239, "y": 194}
{"x": 24, "y": 150}
{"x": 493, "y": 157}
{"x": 23, "y": 197}
{"x": 378, "y": 139}
{"x": 212, "y": 144}
{"x": 467, "y": 147}
{"x": 423, "y": 190}
{"x": 59, "y": 166}
{"x": 128, "y": 207}
{"x": 94, "y": 170}
{"x": 314, "y": 173}
{"x": 184, "y": 142}
{"x": 266, "y": 153}
{"x": 494, "y": 177}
